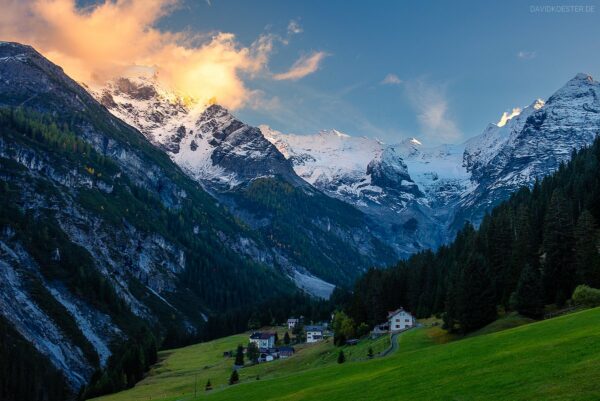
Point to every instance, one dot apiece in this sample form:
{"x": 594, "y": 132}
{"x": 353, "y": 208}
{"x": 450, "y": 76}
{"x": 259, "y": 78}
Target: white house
{"x": 292, "y": 322}
{"x": 400, "y": 320}
{"x": 313, "y": 333}
{"x": 263, "y": 340}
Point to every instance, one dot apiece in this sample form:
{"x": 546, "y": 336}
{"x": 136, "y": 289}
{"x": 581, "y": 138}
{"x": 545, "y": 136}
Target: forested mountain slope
{"x": 103, "y": 239}
{"x": 529, "y": 251}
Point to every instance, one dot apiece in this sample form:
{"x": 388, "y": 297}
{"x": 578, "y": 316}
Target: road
{"x": 393, "y": 344}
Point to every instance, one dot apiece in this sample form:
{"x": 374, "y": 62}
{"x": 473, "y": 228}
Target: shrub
{"x": 587, "y": 296}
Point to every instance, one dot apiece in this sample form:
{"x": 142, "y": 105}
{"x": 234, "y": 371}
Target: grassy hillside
{"x": 557, "y": 359}
{"x": 177, "y": 371}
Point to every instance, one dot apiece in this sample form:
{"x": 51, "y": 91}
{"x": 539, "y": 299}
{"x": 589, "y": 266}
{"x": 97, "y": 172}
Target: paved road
{"x": 393, "y": 344}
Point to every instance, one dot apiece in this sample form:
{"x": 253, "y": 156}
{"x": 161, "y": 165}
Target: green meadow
{"x": 556, "y": 359}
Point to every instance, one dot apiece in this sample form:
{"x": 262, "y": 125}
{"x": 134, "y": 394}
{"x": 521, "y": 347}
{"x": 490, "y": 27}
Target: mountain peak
{"x": 583, "y": 77}
{"x": 15, "y": 49}
{"x": 538, "y": 104}
{"x": 334, "y": 133}
{"x": 216, "y": 110}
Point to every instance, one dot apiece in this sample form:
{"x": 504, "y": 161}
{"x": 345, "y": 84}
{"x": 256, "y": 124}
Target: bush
{"x": 586, "y": 296}
{"x": 341, "y": 357}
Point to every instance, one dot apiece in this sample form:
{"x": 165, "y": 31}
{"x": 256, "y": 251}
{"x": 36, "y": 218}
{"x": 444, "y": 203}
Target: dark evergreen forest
{"x": 529, "y": 252}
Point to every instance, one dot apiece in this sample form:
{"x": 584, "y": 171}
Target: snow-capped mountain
{"x": 434, "y": 190}
{"x": 209, "y": 143}
{"x": 417, "y": 195}
{"x": 480, "y": 150}
{"x": 242, "y": 169}
{"x": 404, "y": 187}
{"x": 531, "y": 145}
{"x": 355, "y": 169}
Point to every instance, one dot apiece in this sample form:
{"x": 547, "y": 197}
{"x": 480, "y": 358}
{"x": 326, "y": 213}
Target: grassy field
{"x": 557, "y": 359}
{"x": 181, "y": 370}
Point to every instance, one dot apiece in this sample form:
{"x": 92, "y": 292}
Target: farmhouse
{"x": 313, "y": 333}
{"x": 263, "y": 340}
{"x": 400, "y": 320}
{"x": 292, "y": 322}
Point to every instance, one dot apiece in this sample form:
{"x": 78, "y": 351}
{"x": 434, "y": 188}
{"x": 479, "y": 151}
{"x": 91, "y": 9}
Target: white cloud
{"x": 294, "y": 28}
{"x": 433, "y": 114}
{"x": 391, "y": 79}
{"x": 304, "y": 66}
{"x": 526, "y": 55}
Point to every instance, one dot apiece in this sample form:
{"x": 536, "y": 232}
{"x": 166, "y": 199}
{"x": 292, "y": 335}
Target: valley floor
{"x": 556, "y": 359}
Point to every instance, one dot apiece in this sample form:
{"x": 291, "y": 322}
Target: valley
{"x": 296, "y": 201}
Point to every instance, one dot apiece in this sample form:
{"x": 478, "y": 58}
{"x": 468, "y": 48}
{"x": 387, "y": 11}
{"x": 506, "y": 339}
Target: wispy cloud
{"x": 310, "y": 110}
{"x": 304, "y": 66}
{"x": 294, "y": 28}
{"x": 391, "y": 79}
{"x": 526, "y": 54}
{"x": 433, "y": 113}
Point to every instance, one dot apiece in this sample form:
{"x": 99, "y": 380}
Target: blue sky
{"x": 452, "y": 67}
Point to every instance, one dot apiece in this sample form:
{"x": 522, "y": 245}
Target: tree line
{"x": 529, "y": 252}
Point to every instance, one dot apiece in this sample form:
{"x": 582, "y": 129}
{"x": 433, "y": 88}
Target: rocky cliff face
{"x": 209, "y": 143}
{"x": 99, "y": 229}
{"x": 227, "y": 157}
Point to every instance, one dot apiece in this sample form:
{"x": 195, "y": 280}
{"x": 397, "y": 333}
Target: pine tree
{"x": 450, "y": 315}
{"x": 558, "y": 272}
{"x": 587, "y": 260}
{"x": 252, "y": 353}
{"x": 529, "y": 297}
{"x": 523, "y": 247}
{"x": 500, "y": 240}
{"x": 476, "y": 304}
{"x": 208, "y": 386}
{"x": 239, "y": 356}
{"x": 286, "y": 338}
{"x": 370, "y": 353}
{"x": 234, "y": 378}
{"x": 341, "y": 357}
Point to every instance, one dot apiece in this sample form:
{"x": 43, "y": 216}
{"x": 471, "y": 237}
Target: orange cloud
{"x": 304, "y": 66}
{"x": 98, "y": 43}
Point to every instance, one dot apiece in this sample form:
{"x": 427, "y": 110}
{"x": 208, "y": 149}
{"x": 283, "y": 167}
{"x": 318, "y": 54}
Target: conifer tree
{"x": 500, "y": 239}
{"x": 529, "y": 297}
{"x": 234, "y": 378}
{"x": 558, "y": 272}
{"x": 587, "y": 260}
{"x": 239, "y": 356}
{"x": 476, "y": 304}
{"x": 370, "y": 352}
{"x": 208, "y": 386}
{"x": 341, "y": 357}
{"x": 286, "y": 338}
{"x": 252, "y": 353}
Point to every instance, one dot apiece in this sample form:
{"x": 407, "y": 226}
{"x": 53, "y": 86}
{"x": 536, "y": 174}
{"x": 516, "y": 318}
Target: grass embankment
{"x": 556, "y": 359}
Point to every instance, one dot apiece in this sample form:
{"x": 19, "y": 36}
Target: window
{"x": 407, "y": 320}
